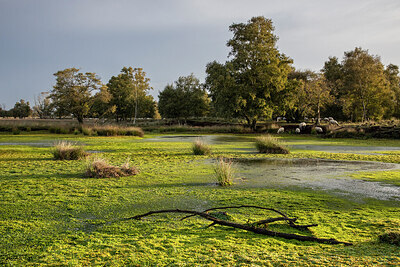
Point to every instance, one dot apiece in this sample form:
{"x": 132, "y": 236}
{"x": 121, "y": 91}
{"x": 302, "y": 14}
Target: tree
{"x": 365, "y": 86}
{"x": 392, "y": 76}
{"x": 43, "y": 106}
{"x": 129, "y": 93}
{"x": 21, "y": 109}
{"x": 187, "y": 98}
{"x": 255, "y": 79}
{"x": 319, "y": 95}
{"x": 73, "y": 92}
{"x": 301, "y": 94}
{"x": 101, "y": 104}
{"x": 333, "y": 74}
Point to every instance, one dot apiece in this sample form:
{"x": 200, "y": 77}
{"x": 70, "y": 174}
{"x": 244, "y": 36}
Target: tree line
{"x": 256, "y": 82}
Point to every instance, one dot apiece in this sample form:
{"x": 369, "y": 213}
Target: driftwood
{"x": 253, "y": 227}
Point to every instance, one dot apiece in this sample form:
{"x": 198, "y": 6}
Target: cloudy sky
{"x": 172, "y": 38}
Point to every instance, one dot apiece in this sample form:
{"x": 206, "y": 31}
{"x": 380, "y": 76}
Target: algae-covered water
{"x": 318, "y": 174}
{"x": 52, "y": 215}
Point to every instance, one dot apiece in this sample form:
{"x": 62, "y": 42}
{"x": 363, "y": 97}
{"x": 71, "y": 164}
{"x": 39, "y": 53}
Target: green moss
{"x": 51, "y": 215}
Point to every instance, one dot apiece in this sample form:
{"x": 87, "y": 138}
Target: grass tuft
{"x": 271, "y": 145}
{"x": 200, "y": 148}
{"x": 68, "y": 151}
{"x": 224, "y": 172}
{"x": 100, "y": 168}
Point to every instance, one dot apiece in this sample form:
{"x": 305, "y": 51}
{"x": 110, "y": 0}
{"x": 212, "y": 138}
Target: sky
{"x": 173, "y": 38}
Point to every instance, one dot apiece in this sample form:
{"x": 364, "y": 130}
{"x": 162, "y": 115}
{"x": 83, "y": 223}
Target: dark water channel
{"x": 317, "y": 174}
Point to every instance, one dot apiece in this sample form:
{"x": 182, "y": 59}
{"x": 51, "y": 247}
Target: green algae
{"x": 51, "y": 215}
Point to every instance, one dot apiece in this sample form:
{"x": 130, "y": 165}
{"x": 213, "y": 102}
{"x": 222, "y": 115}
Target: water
{"x": 316, "y": 174}
{"x": 209, "y": 139}
{"x": 220, "y": 139}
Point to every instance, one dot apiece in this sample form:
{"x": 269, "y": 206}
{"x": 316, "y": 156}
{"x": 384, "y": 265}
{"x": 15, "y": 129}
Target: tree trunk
{"x": 254, "y": 125}
{"x": 80, "y": 119}
{"x": 364, "y": 118}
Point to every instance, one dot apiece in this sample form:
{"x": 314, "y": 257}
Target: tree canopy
{"x": 129, "y": 94}
{"x": 21, "y": 109}
{"x": 185, "y": 98}
{"x": 363, "y": 88}
{"x": 72, "y": 93}
{"x": 255, "y": 78}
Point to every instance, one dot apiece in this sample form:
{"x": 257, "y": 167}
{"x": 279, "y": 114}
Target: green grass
{"x": 270, "y": 145}
{"x": 224, "y": 171}
{"x": 200, "y": 148}
{"x": 50, "y": 214}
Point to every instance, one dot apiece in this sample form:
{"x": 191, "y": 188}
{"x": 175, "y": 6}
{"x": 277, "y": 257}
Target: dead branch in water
{"x": 248, "y": 227}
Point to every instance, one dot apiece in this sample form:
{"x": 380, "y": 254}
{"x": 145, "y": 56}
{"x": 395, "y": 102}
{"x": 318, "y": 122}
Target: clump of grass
{"x": 224, "y": 172}
{"x": 68, "y": 151}
{"x": 390, "y": 237}
{"x": 100, "y": 168}
{"x": 271, "y": 145}
{"x": 200, "y": 148}
{"x": 112, "y": 130}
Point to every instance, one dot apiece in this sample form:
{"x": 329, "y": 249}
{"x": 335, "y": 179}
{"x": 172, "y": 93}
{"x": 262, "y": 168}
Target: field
{"x": 50, "y": 214}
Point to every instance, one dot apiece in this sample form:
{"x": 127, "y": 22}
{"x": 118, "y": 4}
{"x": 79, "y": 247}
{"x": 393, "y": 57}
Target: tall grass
{"x": 224, "y": 172}
{"x": 68, "y": 151}
{"x": 112, "y": 130}
{"x": 271, "y": 145}
{"x": 100, "y": 168}
{"x": 200, "y": 148}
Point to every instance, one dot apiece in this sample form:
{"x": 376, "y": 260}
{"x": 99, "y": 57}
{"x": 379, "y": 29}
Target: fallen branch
{"x": 247, "y": 227}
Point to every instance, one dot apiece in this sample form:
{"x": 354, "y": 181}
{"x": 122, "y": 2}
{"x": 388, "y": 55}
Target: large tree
{"x": 365, "y": 87}
{"x": 72, "y": 93}
{"x": 255, "y": 78}
{"x": 129, "y": 94}
{"x": 185, "y": 98}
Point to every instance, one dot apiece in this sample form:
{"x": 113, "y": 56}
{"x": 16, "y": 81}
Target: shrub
{"x": 15, "y": 131}
{"x": 271, "y": 145}
{"x": 87, "y": 131}
{"x": 68, "y": 151}
{"x": 390, "y": 237}
{"x": 224, "y": 172}
{"x": 59, "y": 130}
{"x": 200, "y": 148}
{"x": 100, "y": 168}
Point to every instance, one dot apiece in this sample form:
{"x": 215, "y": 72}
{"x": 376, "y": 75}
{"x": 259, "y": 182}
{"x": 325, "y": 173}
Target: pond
{"x": 316, "y": 174}
{"x": 221, "y": 139}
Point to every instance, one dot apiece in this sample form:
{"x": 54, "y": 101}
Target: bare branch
{"x": 249, "y": 228}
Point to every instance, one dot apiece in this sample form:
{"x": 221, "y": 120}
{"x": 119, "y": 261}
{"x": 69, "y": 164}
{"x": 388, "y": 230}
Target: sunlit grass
{"x": 68, "y": 151}
{"x": 200, "y": 148}
{"x": 51, "y": 215}
{"x": 224, "y": 171}
{"x": 270, "y": 145}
